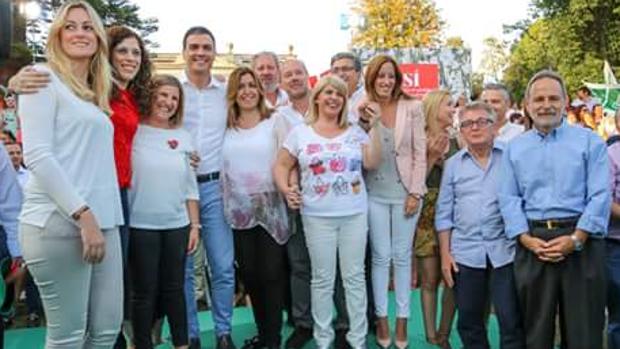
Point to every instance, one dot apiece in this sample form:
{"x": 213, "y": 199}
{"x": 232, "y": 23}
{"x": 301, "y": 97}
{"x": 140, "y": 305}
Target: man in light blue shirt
{"x": 476, "y": 256}
{"x": 555, "y": 200}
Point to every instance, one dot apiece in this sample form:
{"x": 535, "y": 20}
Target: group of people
{"x": 319, "y": 196}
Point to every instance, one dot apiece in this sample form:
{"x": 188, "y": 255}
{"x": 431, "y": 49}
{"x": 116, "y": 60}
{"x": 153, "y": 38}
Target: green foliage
{"x": 573, "y": 37}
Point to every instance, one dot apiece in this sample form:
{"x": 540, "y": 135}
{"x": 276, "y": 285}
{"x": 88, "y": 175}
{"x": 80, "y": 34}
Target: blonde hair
{"x": 431, "y": 104}
{"x": 99, "y": 82}
{"x": 234, "y": 82}
{"x": 341, "y": 88}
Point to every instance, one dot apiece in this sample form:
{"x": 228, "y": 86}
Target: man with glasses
{"x": 476, "y": 256}
{"x": 555, "y": 201}
{"x": 348, "y": 67}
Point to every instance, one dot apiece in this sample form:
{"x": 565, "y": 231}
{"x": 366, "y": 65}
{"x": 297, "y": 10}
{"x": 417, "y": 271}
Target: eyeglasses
{"x": 481, "y": 123}
{"x": 344, "y": 69}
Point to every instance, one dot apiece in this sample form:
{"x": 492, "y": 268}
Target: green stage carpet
{"x": 243, "y": 328}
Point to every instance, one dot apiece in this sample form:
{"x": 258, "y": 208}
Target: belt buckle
{"x": 551, "y": 224}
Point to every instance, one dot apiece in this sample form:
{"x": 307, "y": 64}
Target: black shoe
{"x": 194, "y": 343}
{"x": 298, "y": 338}
{"x": 225, "y": 342}
{"x": 253, "y": 343}
{"x": 341, "y": 340}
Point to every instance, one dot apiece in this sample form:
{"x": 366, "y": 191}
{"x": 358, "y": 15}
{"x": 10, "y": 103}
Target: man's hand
{"x": 448, "y": 266}
{"x": 28, "y": 81}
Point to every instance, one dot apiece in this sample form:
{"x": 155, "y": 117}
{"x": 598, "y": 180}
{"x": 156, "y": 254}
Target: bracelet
{"x": 78, "y": 214}
{"x": 196, "y": 226}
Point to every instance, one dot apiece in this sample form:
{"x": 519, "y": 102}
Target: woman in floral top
{"x": 252, "y": 205}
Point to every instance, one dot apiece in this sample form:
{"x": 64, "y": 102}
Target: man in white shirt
{"x": 348, "y": 67}
{"x": 265, "y": 64}
{"x": 205, "y": 119}
{"x": 498, "y": 97}
{"x": 294, "y": 82}
{"x": 17, "y": 159}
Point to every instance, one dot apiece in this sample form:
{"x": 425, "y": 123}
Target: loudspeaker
{"x": 6, "y": 28}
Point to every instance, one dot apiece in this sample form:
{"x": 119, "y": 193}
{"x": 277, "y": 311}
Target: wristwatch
{"x": 578, "y": 244}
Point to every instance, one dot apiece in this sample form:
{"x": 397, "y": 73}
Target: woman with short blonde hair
{"x": 330, "y": 155}
{"x": 72, "y": 208}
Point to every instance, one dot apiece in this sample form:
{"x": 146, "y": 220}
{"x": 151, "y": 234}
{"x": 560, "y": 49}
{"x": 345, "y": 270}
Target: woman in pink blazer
{"x": 395, "y": 190}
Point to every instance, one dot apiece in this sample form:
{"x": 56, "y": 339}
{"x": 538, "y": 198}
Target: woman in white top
{"x": 252, "y": 205}
{"x": 163, "y": 210}
{"x": 72, "y": 208}
{"x": 330, "y": 154}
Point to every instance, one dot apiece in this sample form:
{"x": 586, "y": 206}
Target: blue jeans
{"x": 613, "y": 294}
{"x": 217, "y": 239}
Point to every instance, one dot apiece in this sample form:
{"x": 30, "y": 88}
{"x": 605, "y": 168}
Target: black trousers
{"x": 157, "y": 264}
{"x": 262, "y": 267}
{"x": 576, "y": 286}
{"x": 471, "y": 291}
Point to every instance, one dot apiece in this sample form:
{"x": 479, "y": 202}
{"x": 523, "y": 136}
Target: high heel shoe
{"x": 401, "y": 331}
{"x": 383, "y": 328}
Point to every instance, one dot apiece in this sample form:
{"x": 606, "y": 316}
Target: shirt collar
{"x": 554, "y": 133}
{"x": 497, "y": 146}
{"x": 214, "y": 83}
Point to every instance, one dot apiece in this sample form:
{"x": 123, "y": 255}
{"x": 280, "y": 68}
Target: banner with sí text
{"x": 419, "y": 78}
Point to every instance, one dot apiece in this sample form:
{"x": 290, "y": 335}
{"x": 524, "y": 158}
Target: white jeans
{"x": 83, "y": 302}
{"x": 391, "y": 240}
{"x": 345, "y": 237}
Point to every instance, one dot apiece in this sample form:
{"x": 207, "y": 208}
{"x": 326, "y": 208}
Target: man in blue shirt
{"x": 476, "y": 256}
{"x": 555, "y": 201}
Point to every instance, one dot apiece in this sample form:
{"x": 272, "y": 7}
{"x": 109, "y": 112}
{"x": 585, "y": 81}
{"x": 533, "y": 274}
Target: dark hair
{"x": 197, "y": 31}
{"x": 585, "y": 89}
{"x": 11, "y": 136}
{"x": 138, "y": 85}
{"x": 348, "y": 55}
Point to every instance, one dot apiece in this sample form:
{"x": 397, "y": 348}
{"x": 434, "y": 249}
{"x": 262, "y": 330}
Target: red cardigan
{"x": 125, "y": 117}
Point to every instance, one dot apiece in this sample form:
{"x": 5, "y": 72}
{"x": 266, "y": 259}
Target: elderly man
{"x": 266, "y": 66}
{"x": 498, "y": 97}
{"x": 555, "y": 201}
{"x": 476, "y": 256}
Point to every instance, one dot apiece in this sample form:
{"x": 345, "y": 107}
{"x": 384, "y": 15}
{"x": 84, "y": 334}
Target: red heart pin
{"x": 173, "y": 143}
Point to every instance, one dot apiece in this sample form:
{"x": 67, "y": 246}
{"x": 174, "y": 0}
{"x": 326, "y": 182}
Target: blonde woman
{"x": 395, "y": 191}
{"x": 72, "y": 207}
{"x": 438, "y": 112}
{"x": 330, "y": 155}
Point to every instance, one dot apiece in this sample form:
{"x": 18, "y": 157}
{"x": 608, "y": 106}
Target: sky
{"x": 311, "y": 26}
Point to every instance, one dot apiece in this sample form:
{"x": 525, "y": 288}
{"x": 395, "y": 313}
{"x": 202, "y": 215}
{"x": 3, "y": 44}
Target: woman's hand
{"x": 411, "y": 205}
{"x": 93, "y": 241}
{"x": 194, "y": 160}
{"x": 28, "y": 80}
{"x": 437, "y": 146}
{"x": 194, "y": 239}
{"x": 293, "y": 197}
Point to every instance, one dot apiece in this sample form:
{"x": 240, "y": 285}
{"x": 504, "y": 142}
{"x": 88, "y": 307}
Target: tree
{"x": 112, "y": 12}
{"x": 494, "y": 58}
{"x": 454, "y": 42}
{"x": 573, "y": 37}
{"x": 397, "y": 24}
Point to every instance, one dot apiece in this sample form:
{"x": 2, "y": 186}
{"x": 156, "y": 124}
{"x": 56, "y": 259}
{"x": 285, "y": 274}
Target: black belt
{"x": 213, "y": 176}
{"x": 552, "y": 224}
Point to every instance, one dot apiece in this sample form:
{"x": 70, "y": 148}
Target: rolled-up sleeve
{"x": 444, "y": 210}
{"x": 511, "y": 199}
{"x": 595, "y": 216}
{"x": 10, "y": 202}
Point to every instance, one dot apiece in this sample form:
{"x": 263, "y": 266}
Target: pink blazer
{"x": 410, "y": 144}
